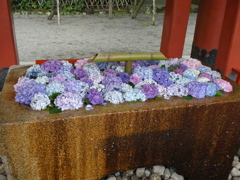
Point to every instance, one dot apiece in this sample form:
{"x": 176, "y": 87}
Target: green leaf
{"x": 86, "y": 100}
{"x": 145, "y": 24}
{"x": 219, "y": 93}
{"x": 188, "y": 97}
{"x": 174, "y": 67}
{"x": 54, "y": 110}
{"x": 53, "y": 96}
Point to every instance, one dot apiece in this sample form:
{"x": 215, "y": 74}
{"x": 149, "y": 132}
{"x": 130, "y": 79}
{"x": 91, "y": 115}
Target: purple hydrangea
{"x": 112, "y": 87}
{"x": 125, "y": 77}
{"x": 176, "y": 90}
{"x": 87, "y": 80}
{"x": 143, "y": 63}
{"x": 95, "y": 97}
{"x": 135, "y": 78}
{"x": 109, "y": 72}
{"x": 71, "y": 85}
{"x": 53, "y": 66}
{"x": 150, "y": 90}
{"x": 22, "y": 81}
{"x": 79, "y": 73}
{"x": 58, "y": 78}
{"x": 27, "y": 91}
{"x": 197, "y": 89}
{"x": 161, "y": 76}
{"x": 68, "y": 101}
{"x": 111, "y": 79}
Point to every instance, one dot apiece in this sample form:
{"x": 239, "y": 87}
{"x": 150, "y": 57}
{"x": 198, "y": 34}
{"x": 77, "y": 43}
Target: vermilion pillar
{"x": 175, "y": 27}
{"x": 8, "y": 52}
{"x": 208, "y": 29}
{"x": 229, "y": 47}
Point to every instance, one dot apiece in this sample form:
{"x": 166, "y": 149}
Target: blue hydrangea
{"x": 102, "y": 65}
{"x": 112, "y": 87}
{"x": 211, "y": 89}
{"x": 204, "y": 69}
{"x": 34, "y": 71}
{"x": 125, "y": 77}
{"x": 191, "y": 74}
{"x": 145, "y": 72}
{"x": 134, "y": 95}
{"x": 91, "y": 69}
{"x": 111, "y": 79}
{"x": 71, "y": 85}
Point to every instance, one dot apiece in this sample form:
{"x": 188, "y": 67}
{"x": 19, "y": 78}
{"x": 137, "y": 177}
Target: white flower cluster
{"x": 114, "y": 97}
{"x": 39, "y": 101}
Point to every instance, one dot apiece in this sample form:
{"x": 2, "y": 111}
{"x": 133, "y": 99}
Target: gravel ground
{"x": 81, "y": 36}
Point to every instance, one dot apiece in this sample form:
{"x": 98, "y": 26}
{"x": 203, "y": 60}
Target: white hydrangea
{"x": 203, "y": 79}
{"x": 91, "y": 68}
{"x": 120, "y": 69}
{"x": 42, "y": 80}
{"x": 39, "y": 101}
{"x": 54, "y": 87}
{"x": 99, "y": 87}
{"x": 126, "y": 87}
{"x": 134, "y": 95}
{"x": 114, "y": 97}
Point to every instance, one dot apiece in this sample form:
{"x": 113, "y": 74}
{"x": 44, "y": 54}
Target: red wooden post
{"x": 175, "y": 27}
{"x": 8, "y": 51}
{"x": 208, "y": 29}
{"x": 229, "y": 47}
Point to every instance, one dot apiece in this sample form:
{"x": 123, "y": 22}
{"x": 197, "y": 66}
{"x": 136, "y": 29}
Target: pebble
{"x": 2, "y": 177}
{"x": 112, "y": 178}
{"x": 147, "y": 172}
{"x": 176, "y": 176}
{"x": 236, "y": 178}
{"x": 158, "y": 170}
{"x": 134, "y": 177}
{"x": 140, "y": 172}
{"x": 166, "y": 174}
{"x": 235, "y": 172}
{"x": 155, "y": 177}
{"x": 2, "y": 170}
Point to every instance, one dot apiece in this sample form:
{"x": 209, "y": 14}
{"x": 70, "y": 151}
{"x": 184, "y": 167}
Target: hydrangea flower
{"x": 143, "y": 63}
{"x": 68, "y": 101}
{"x": 197, "y": 89}
{"x": 204, "y": 69}
{"x": 145, "y": 72}
{"x": 54, "y": 87}
{"x": 191, "y": 74}
{"x": 192, "y": 63}
{"x": 148, "y": 81}
{"x": 206, "y": 75}
{"x": 27, "y": 91}
{"x": 162, "y": 77}
{"x": 214, "y": 74}
{"x": 120, "y": 69}
{"x": 176, "y": 90}
{"x": 67, "y": 66}
{"x": 34, "y": 71}
{"x": 114, "y": 97}
{"x": 95, "y": 97}
{"x": 68, "y": 75}
{"x": 109, "y": 72}
{"x": 22, "y": 81}
{"x": 58, "y": 78}
{"x": 81, "y": 62}
{"x": 112, "y": 87}
{"x": 135, "y": 78}
{"x": 87, "y": 80}
{"x": 91, "y": 69}
{"x": 202, "y": 79}
{"x": 39, "y": 101}
{"x": 42, "y": 80}
{"x": 212, "y": 89}
{"x": 126, "y": 87}
{"x": 96, "y": 79}
{"x": 112, "y": 65}
{"x": 225, "y": 85}
{"x": 99, "y": 87}
{"x": 134, "y": 95}
{"x": 53, "y": 66}
{"x": 102, "y": 65}
{"x": 79, "y": 73}
{"x": 111, "y": 79}
{"x": 125, "y": 77}
{"x": 150, "y": 90}
{"x": 71, "y": 85}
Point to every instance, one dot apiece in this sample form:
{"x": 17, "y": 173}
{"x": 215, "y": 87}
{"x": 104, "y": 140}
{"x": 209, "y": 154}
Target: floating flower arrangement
{"x": 59, "y": 85}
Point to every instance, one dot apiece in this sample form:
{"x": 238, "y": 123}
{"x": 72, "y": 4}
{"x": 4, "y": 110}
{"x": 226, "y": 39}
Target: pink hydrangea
{"x": 192, "y": 63}
{"x": 226, "y": 86}
{"x": 135, "y": 78}
{"x": 81, "y": 62}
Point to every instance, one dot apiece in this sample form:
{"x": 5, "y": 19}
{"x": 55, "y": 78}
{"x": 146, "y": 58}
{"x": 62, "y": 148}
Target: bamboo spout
{"x": 128, "y": 57}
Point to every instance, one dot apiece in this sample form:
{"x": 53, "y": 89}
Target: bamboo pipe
{"x": 129, "y": 57}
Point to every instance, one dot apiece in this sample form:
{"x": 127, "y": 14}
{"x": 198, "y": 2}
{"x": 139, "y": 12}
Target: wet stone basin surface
{"x": 89, "y": 145}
